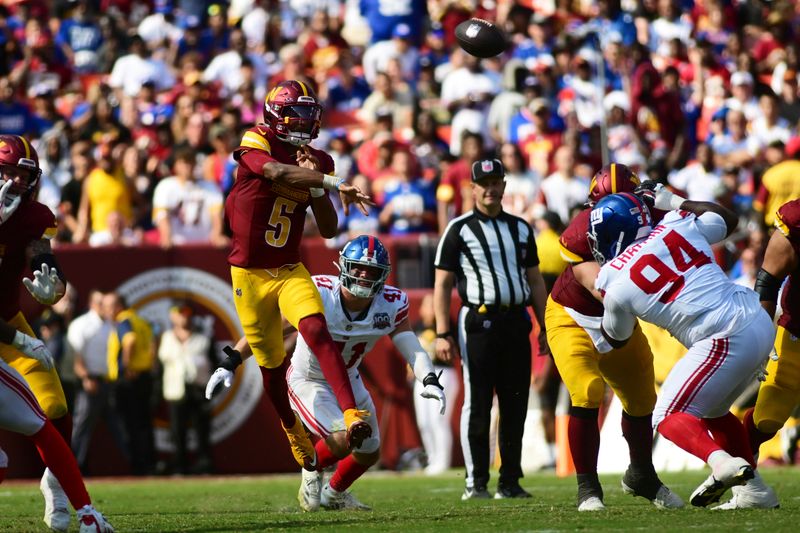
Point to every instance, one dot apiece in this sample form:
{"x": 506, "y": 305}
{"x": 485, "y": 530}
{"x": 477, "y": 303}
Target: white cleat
{"x": 592, "y": 503}
{"x": 334, "y": 500}
{"x": 309, "y": 493}
{"x": 731, "y": 472}
{"x": 755, "y": 494}
{"x": 91, "y": 521}
{"x": 56, "y": 504}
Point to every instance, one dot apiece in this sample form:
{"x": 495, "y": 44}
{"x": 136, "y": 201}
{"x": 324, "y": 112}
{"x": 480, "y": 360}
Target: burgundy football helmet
{"x": 612, "y": 179}
{"x": 18, "y": 159}
{"x": 293, "y": 112}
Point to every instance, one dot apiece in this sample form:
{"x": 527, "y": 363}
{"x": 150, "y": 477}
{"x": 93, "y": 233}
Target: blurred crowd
{"x": 136, "y": 105}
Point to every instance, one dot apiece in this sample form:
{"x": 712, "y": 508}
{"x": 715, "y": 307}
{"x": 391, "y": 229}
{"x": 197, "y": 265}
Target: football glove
{"x": 33, "y": 348}
{"x": 433, "y": 390}
{"x": 224, "y": 374}
{"x": 646, "y": 191}
{"x": 7, "y": 210}
{"x": 43, "y": 286}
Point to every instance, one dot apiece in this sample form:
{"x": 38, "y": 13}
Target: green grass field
{"x": 402, "y": 503}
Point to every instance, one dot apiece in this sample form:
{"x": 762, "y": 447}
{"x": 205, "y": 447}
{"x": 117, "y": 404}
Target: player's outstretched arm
{"x": 408, "y": 344}
{"x": 314, "y": 179}
{"x": 662, "y": 198}
{"x": 538, "y": 302}
{"x": 780, "y": 260}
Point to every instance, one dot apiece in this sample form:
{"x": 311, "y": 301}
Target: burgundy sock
{"x": 729, "y": 433}
{"x": 274, "y": 380}
{"x": 64, "y": 426}
{"x": 314, "y": 330}
{"x": 638, "y": 432}
{"x": 347, "y": 473}
{"x": 689, "y": 433}
{"x": 325, "y": 457}
{"x": 584, "y": 439}
{"x": 59, "y": 459}
{"x": 755, "y": 436}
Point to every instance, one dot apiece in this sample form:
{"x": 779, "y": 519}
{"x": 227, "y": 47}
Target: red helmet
{"x": 19, "y": 158}
{"x": 612, "y": 179}
{"x": 293, "y": 112}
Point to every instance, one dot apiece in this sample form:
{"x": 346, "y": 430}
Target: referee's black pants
{"x": 496, "y": 358}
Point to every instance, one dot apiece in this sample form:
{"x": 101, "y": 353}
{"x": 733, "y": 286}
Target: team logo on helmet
{"x": 612, "y": 179}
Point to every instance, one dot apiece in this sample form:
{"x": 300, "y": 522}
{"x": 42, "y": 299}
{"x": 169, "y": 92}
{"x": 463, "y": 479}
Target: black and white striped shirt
{"x": 490, "y": 257}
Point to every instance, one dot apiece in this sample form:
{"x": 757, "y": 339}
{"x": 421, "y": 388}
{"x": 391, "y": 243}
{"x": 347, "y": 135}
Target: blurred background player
{"x": 278, "y": 178}
{"x": 26, "y": 227}
{"x": 779, "y": 395}
{"x": 587, "y": 363}
{"x": 360, "y": 309}
{"x": 20, "y": 413}
{"x": 666, "y": 276}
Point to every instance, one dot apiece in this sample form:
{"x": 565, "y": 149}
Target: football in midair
{"x": 481, "y": 38}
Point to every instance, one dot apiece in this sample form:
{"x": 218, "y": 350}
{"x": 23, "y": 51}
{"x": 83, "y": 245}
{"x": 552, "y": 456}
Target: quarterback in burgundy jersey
{"x": 26, "y": 227}
{"x": 278, "y": 179}
{"x": 587, "y": 363}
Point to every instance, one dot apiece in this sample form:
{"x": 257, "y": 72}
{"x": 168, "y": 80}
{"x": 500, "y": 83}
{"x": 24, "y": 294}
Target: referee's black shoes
{"x": 476, "y": 493}
{"x": 511, "y": 491}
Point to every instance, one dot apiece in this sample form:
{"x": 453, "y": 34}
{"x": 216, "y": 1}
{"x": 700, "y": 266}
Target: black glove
{"x": 647, "y": 192}
{"x": 432, "y": 379}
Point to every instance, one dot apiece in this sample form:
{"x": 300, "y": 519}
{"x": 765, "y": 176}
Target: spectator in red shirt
{"x": 453, "y": 193}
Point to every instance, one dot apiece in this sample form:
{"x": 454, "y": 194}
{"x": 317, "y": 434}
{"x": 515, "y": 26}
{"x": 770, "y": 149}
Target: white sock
{"x": 551, "y": 449}
{"x": 717, "y": 458}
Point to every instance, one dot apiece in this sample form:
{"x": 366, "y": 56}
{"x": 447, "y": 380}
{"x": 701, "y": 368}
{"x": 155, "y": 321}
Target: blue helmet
{"x": 617, "y": 221}
{"x": 368, "y": 254}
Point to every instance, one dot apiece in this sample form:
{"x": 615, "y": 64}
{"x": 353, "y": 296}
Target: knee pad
{"x": 54, "y": 407}
{"x": 770, "y": 416}
{"x": 590, "y": 395}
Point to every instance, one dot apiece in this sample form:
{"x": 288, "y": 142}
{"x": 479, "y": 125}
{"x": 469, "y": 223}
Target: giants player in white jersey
{"x": 21, "y": 413}
{"x": 359, "y": 310}
{"x": 666, "y": 275}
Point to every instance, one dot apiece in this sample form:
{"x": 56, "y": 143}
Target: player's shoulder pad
{"x": 256, "y": 138}
{"x": 573, "y": 243}
{"x": 787, "y": 219}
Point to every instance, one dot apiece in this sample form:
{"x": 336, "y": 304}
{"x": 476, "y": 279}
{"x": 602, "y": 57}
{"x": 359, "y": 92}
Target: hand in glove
{"x": 434, "y": 391}
{"x": 7, "y": 210}
{"x": 33, "y": 348}
{"x": 224, "y": 374}
{"x": 43, "y": 286}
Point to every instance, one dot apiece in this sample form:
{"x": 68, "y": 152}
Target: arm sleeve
{"x": 408, "y": 345}
{"x": 712, "y": 226}
{"x": 617, "y": 322}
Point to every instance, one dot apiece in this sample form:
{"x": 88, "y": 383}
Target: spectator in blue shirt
{"x": 80, "y": 38}
{"x": 409, "y": 202}
{"x": 15, "y": 117}
{"x": 384, "y": 15}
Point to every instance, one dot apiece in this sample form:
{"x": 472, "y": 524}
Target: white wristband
{"x": 331, "y": 182}
{"x": 316, "y": 192}
{"x": 675, "y": 202}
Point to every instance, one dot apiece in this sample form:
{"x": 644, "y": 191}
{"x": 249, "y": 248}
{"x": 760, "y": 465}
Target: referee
{"x": 492, "y": 256}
